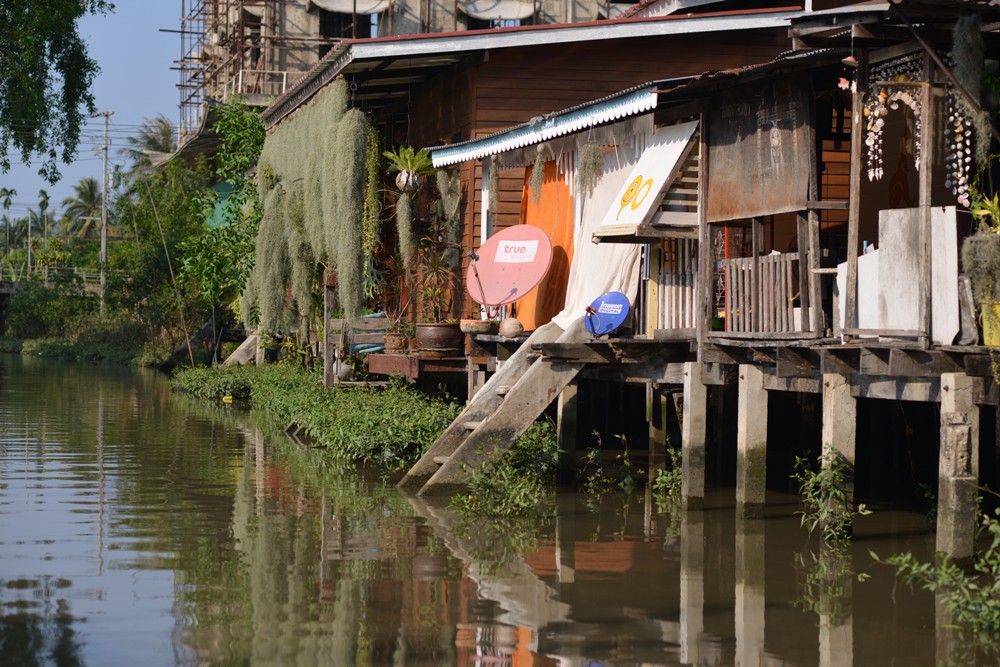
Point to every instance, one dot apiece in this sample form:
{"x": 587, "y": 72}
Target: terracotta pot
{"x": 395, "y": 342}
{"x": 479, "y": 326}
{"x": 439, "y": 338}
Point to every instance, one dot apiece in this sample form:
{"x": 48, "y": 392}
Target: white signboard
{"x": 644, "y": 187}
{"x": 516, "y": 252}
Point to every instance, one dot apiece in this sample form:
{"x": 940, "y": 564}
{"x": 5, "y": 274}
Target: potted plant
{"x": 439, "y": 257}
{"x": 411, "y": 165}
{"x": 981, "y": 261}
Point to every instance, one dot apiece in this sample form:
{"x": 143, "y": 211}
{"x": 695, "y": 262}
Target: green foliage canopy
{"x": 46, "y": 78}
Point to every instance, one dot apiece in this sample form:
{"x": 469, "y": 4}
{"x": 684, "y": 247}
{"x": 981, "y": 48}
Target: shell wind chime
{"x": 959, "y": 133}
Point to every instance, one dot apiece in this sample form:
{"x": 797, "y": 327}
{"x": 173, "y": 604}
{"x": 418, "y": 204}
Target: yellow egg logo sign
{"x": 636, "y": 193}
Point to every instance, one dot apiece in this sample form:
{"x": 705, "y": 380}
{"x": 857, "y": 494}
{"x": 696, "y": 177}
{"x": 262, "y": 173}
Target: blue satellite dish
{"x": 607, "y": 313}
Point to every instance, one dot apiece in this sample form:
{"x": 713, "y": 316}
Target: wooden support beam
{"x": 840, "y": 360}
{"x": 817, "y": 319}
{"x": 566, "y": 432}
{"x": 874, "y": 361}
{"x": 703, "y": 284}
{"x": 797, "y": 362}
{"x": 854, "y": 212}
{"x": 694, "y": 434}
{"x": 924, "y": 390}
{"x": 840, "y": 426}
{"x": 751, "y": 443}
{"x": 656, "y": 417}
{"x": 923, "y": 363}
{"x": 329, "y": 344}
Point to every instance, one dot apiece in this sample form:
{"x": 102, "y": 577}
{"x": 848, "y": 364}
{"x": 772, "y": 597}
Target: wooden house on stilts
{"x": 796, "y": 232}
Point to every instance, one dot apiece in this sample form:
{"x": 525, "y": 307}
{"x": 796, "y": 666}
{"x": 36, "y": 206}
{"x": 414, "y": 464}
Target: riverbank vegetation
{"x": 390, "y": 425}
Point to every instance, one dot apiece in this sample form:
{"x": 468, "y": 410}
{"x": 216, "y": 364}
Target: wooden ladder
{"x": 498, "y": 414}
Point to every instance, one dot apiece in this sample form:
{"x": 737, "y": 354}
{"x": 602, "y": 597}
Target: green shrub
{"x": 972, "y": 597}
{"x": 824, "y": 495}
{"x": 392, "y": 425}
{"x": 216, "y": 382}
{"x": 36, "y": 311}
{"x": 517, "y": 482}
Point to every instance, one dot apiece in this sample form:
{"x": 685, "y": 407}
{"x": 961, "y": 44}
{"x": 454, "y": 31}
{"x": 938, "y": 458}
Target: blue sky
{"x": 135, "y": 83}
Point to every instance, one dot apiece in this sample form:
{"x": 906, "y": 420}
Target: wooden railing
{"x": 761, "y": 293}
{"x": 676, "y": 287}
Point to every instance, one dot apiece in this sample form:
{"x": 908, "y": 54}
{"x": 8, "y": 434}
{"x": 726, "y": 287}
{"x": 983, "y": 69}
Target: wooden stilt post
{"x": 694, "y": 432}
{"x": 692, "y": 585}
{"x": 329, "y": 351}
{"x": 656, "y": 416}
{"x": 840, "y": 425}
{"x": 751, "y": 443}
{"x": 750, "y": 597}
{"x": 956, "y": 513}
{"x": 566, "y": 436}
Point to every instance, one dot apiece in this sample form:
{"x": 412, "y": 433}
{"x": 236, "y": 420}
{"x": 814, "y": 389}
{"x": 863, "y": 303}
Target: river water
{"x": 142, "y": 528}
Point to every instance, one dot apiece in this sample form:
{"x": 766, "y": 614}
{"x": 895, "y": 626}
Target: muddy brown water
{"x": 142, "y": 528}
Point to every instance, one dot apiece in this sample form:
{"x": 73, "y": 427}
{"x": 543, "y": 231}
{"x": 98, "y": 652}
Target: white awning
{"x": 643, "y": 190}
{"x": 496, "y": 10}
{"x": 353, "y": 6}
{"x": 542, "y": 129}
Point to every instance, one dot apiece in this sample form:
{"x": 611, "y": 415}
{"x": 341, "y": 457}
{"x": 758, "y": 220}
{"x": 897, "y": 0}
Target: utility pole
{"x": 104, "y": 209}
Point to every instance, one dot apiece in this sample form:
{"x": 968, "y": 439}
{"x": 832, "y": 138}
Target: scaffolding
{"x": 233, "y": 48}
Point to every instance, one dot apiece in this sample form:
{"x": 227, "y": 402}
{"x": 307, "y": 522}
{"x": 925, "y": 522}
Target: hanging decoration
{"x": 883, "y": 97}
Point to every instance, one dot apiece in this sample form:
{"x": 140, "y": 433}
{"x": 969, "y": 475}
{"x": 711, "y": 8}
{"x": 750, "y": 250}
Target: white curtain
{"x": 604, "y": 267}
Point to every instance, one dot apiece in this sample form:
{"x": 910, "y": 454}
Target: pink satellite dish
{"x": 509, "y": 265}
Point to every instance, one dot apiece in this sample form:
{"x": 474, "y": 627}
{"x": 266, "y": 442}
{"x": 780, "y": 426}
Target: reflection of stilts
{"x": 750, "y": 598}
{"x": 836, "y": 631}
{"x": 692, "y": 585}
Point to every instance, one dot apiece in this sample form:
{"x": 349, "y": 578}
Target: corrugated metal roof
{"x": 637, "y": 100}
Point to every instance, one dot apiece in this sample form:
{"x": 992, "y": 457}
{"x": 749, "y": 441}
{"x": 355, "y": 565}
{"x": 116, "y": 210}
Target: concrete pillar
{"x": 694, "y": 432}
{"x": 957, "y": 395}
{"x": 566, "y": 420}
{"x": 751, "y": 443}
{"x": 750, "y": 598}
{"x": 836, "y": 619}
{"x": 956, "y": 513}
{"x": 656, "y": 416}
{"x": 692, "y": 585}
{"x": 840, "y": 425}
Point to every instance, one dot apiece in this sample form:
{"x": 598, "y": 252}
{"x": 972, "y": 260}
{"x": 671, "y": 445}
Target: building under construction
{"x": 259, "y": 48}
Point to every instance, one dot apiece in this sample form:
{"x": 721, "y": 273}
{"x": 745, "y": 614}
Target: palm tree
{"x": 6, "y": 196}
{"x": 156, "y": 136}
{"x": 43, "y": 204}
{"x": 82, "y": 211}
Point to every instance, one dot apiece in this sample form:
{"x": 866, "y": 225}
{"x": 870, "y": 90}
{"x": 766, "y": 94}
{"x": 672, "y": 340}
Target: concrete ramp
{"x": 497, "y": 417}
